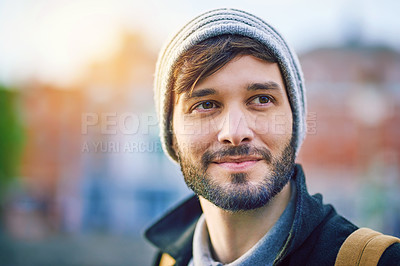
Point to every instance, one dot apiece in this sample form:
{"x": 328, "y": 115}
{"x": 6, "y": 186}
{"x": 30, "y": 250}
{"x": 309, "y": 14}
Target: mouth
{"x": 237, "y": 164}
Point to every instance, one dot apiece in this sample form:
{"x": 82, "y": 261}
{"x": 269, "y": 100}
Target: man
{"x": 231, "y": 101}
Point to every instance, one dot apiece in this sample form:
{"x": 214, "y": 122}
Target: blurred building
{"x": 127, "y": 180}
{"x": 81, "y": 175}
{"x": 51, "y": 163}
{"x": 352, "y": 148}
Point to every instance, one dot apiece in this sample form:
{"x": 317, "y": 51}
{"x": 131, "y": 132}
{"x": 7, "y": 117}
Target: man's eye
{"x": 205, "y": 105}
{"x": 261, "y": 100}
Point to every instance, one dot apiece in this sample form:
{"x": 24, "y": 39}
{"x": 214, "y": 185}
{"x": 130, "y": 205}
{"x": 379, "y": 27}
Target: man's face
{"x": 232, "y": 135}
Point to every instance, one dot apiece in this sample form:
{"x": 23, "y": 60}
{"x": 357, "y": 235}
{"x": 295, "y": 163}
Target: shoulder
{"x": 391, "y": 256}
{"x": 367, "y": 246}
{"x": 173, "y": 233}
{"x": 334, "y": 231}
{"x": 318, "y": 231}
{"x": 328, "y": 237}
{"x": 324, "y": 242}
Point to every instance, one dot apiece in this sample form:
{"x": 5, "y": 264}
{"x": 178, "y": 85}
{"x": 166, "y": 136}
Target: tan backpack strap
{"x": 166, "y": 260}
{"x": 375, "y": 248}
{"x": 364, "y": 247}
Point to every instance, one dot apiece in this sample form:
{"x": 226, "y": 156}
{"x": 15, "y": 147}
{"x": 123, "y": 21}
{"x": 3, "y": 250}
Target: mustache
{"x": 242, "y": 150}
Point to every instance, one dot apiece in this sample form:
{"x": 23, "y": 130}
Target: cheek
{"x": 275, "y": 130}
{"x": 276, "y": 125}
{"x": 194, "y": 136}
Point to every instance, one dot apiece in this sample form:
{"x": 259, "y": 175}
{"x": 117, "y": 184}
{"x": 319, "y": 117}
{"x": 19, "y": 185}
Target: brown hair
{"x": 207, "y": 57}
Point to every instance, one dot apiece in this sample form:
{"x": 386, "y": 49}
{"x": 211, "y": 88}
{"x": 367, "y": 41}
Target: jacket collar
{"x": 173, "y": 233}
{"x": 310, "y": 212}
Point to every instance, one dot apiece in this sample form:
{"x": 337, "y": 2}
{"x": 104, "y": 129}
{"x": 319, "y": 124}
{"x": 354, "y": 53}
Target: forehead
{"x": 245, "y": 69}
{"x": 246, "y": 72}
{"x": 208, "y": 56}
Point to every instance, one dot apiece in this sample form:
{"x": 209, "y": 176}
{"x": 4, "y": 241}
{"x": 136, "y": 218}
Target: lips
{"x": 237, "y": 164}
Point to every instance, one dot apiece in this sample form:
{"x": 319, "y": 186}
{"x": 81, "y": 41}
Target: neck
{"x": 233, "y": 233}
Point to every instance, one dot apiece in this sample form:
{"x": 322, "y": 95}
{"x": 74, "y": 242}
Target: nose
{"x": 235, "y": 129}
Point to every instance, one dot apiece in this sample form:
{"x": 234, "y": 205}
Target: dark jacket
{"x": 314, "y": 239}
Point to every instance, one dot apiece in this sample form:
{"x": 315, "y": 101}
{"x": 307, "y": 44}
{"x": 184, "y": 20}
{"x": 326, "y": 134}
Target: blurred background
{"x": 82, "y": 172}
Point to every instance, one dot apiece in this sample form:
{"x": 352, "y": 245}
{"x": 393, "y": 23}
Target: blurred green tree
{"x": 11, "y": 139}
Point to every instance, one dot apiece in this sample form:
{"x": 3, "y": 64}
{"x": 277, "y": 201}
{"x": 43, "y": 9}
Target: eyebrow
{"x": 270, "y": 85}
{"x": 200, "y": 93}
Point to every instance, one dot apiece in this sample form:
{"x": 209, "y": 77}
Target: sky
{"x": 55, "y": 40}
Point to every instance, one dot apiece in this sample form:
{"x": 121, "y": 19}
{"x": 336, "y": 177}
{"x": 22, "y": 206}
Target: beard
{"x": 240, "y": 194}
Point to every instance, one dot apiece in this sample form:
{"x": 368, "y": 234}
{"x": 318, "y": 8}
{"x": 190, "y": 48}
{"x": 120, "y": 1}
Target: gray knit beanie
{"x": 228, "y": 21}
